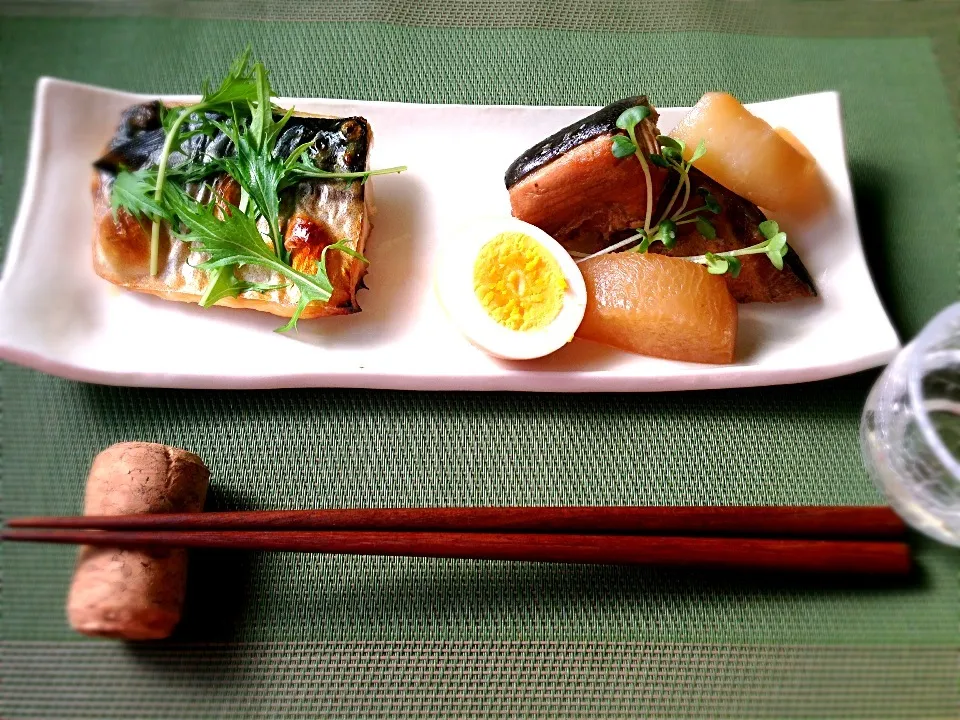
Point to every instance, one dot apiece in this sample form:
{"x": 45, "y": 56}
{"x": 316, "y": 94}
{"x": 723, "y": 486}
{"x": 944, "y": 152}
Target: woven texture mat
{"x": 296, "y": 636}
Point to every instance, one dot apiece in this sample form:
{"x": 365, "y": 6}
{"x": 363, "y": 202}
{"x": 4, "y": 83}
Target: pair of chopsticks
{"x": 862, "y": 540}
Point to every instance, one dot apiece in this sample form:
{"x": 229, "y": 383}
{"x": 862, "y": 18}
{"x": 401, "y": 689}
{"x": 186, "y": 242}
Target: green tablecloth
{"x": 296, "y": 636}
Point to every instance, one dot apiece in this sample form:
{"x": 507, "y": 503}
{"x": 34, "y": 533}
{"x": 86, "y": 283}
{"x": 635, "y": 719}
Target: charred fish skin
{"x": 575, "y": 189}
{"x": 339, "y": 144}
{"x": 314, "y": 213}
{"x": 602, "y": 122}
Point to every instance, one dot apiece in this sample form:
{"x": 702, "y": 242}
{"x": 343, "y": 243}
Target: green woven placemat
{"x": 305, "y": 636}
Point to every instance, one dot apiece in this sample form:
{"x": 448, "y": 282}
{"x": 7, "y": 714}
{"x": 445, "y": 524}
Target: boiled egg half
{"x": 510, "y": 288}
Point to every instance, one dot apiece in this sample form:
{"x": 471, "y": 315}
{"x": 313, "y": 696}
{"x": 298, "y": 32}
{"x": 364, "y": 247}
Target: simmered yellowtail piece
{"x": 745, "y": 154}
{"x": 659, "y": 306}
{"x": 573, "y": 188}
{"x": 735, "y": 227}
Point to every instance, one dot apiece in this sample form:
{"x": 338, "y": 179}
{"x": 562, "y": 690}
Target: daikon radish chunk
{"x": 660, "y": 306}
{"x": 794, "y": 142}
{"x": 771, "y": 169}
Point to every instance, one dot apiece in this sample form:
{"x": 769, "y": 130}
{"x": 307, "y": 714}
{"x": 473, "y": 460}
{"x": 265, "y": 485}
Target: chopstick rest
{"x": 135, "y": 593}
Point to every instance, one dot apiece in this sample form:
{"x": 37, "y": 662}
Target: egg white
{"x": 454, "y": 284}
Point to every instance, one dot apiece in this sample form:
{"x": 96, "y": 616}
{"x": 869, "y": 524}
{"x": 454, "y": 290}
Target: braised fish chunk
{"x": 737, "y": 227}
{"x": 571, "y": 185}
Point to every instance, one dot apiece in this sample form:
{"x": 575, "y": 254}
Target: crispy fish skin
{"x": 314, "y": 214}
{"x": 737, "y": 227}
{"x": 574, "y": 188}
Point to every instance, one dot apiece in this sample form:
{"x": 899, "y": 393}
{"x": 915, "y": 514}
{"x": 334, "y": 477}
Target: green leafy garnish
{"x": 189, "y": 172}
{"x": 670, "y": 149}
{"x": 664, "y": 231}
{"x": 660, "y": 161}
{"x": 709, "y": 201}
{"x": 254, "y": 165}
{"x": 700, "y": 151}
{"x": 667, "y": 233}
{"x": 623, "y": 146}
{"x": 225, "y": 283}
{"x": 306, "y": 169}
{"x": 774, "y": 247}
{"x": 231, "y": 237}
{"x": 706, "y": 228}
{"x": 645, "y": 241}
{"x": 733, "y": 266}
{"x": 134, "y": 191}
{"x": 716, "y": 265}
{"x": 237, "y": 87}
{"x": 628, "y": 120}
{"x": 632, "y": 117}
{"x": 722, "y": 264}
{"x": 768, "y": 228}
{"x": 670, "y": 157}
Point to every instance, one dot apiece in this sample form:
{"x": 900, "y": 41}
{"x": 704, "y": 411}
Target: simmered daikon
{"x": 770, "y": 168}
{"x": 660, "y": 306}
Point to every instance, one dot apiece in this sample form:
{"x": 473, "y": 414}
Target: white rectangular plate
{"x": 57, "y": 316}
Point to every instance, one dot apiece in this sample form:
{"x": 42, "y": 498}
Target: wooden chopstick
{"x": 791, "y": 555}
{"x": 800, "y": 521}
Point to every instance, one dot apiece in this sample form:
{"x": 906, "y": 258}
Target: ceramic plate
{"x": 57, "y": 316}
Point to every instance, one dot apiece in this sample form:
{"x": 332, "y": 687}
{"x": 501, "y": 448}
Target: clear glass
{"x": 910, "y": 430}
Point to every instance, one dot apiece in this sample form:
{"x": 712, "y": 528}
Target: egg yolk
{"x": 518, "y": 283}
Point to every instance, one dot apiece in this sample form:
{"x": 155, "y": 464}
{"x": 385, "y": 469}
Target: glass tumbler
{"x": 910, "y": 430}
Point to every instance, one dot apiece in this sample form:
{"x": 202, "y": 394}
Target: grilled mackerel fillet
{"x": 314, "y": 213}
